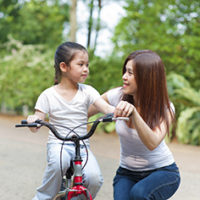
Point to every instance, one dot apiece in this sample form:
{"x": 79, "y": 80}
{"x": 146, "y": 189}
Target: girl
{"x": 147, "y": 169}
{"x": 67, "y": 104}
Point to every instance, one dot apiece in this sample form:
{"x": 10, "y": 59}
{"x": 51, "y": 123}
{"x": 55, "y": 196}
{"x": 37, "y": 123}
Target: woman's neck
{"x": 135, "y": 100}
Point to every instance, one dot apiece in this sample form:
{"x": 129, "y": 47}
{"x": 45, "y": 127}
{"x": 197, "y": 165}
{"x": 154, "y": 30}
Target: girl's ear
{"x": 63, "y": 67}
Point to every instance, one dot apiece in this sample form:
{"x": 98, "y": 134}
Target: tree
{"x": 25, "y": 71}
{"x": 98, "y": 26}
{"x": 9, "y": 12}
{"x": 171, "y": 28}
{"x": 93, "y": 25}
{"x": 90, "y": 22}
{"x": 34, "y": 21}
{"x": 187, "y": 102}
{"x": 73, "y": 20}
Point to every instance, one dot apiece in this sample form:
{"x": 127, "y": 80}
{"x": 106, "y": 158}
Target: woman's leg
{"x": 92, "y": 178}
{"x": 52, "y": 177}
{"x": 122, "y": 184}
{"x": 159, "y": 185}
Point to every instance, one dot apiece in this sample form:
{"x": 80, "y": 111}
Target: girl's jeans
{"x": 92, "y": 178}
{"x": 159, "y": 184}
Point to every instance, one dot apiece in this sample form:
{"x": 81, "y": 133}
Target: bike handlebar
{"x": 107, "y": 118}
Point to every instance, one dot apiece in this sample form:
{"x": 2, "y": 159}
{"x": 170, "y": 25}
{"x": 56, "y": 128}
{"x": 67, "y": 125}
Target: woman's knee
{"x": 138, "y": 193}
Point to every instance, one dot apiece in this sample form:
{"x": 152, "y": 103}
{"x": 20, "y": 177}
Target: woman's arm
{"x": 150, "y": 138}
{"x": 105, "y": 107}
{"x": 37, "y": 115}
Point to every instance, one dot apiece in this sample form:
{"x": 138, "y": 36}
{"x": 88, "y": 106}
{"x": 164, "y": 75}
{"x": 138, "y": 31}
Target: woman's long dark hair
{"x": 152, "y": 95}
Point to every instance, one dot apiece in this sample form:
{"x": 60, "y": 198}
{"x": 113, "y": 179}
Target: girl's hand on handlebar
{"x": 123, "y": 109}
{"x": 32, "y": 118}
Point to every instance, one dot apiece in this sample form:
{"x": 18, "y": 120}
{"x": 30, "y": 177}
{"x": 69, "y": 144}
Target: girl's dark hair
{"x": 152, "y": 95}
{"x": 65, "y": 53}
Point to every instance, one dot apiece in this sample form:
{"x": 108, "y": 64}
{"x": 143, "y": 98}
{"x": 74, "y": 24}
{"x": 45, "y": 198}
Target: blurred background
{"x": 31, "y": 30}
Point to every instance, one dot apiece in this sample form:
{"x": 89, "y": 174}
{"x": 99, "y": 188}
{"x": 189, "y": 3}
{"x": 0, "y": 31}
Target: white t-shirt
{"x": 134, "y": 155}
{"x": 67, "y": 113}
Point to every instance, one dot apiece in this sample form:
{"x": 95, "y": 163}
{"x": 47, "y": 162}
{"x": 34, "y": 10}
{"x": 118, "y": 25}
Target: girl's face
{"x": 78, "y": 69}
{"x": 129, "y": 82}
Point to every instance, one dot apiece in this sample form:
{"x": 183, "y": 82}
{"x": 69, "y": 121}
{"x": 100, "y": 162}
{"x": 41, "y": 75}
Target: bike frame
{"x": 77, "y": 189}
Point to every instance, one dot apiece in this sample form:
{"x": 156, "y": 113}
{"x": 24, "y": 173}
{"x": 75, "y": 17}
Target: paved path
{"x": 22, "y": 162}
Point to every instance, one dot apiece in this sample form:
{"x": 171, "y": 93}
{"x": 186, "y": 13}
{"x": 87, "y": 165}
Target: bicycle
{"x": 73, "y": 187}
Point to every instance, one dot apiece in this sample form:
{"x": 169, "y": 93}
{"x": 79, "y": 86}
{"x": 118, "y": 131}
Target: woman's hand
{"x": 124, "y": 109}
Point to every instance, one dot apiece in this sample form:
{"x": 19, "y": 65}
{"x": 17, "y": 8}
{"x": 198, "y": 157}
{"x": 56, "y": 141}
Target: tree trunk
{"x": 98, "y": 26}
{"x": 90, "y": 22}
{"x": 73, "y": 21}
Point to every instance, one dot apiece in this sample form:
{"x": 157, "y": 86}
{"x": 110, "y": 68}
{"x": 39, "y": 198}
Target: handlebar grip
{"x": 24, "y": 121}
{"x": 27, "y": 125}
{"x": 110, "y": 117}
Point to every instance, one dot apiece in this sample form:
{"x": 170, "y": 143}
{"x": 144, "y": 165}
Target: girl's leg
{"x": 122, "y": 184}
{"x": 92, "y": 178}
{"x": 159, "y": 185}
{"x": 52, "y": 177}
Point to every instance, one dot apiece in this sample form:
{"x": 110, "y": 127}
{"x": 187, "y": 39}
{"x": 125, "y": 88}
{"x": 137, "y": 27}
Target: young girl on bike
{"x": 147, "y": 168}
{"x": 66, "y": 104}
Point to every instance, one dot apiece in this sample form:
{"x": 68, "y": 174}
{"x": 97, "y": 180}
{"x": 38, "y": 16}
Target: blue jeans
{"x": 158, "y": 184}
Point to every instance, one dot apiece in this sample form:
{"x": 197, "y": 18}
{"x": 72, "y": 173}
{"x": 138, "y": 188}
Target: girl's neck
{"x": 66, "y": 90}
{"x": 65, "y": 84}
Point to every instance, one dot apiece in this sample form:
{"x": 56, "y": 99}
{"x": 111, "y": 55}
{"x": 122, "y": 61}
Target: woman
{"x": 147, "y": 168}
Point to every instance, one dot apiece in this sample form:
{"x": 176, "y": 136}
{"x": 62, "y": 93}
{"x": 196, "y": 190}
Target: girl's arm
{"x": 93, "y": 109}
{"x": 37, "y": 115}
{"x": 102, "y": 105}
{"x": 150, "y": 138}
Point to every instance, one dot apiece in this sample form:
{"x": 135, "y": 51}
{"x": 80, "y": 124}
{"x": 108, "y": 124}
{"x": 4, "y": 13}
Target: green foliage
{"x": 106, "y": 127}
{"x": 34, "y": 21}
{"x": 171, "y": 28}
{"x": 187, "y": 102}
{"x": 105, "y": 73}
{"x": 188, "y": 130}
{"x": 24, "y": 73}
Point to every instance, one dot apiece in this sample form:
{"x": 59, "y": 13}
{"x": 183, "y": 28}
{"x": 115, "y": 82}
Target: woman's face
{"x": 129, "y": 82}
